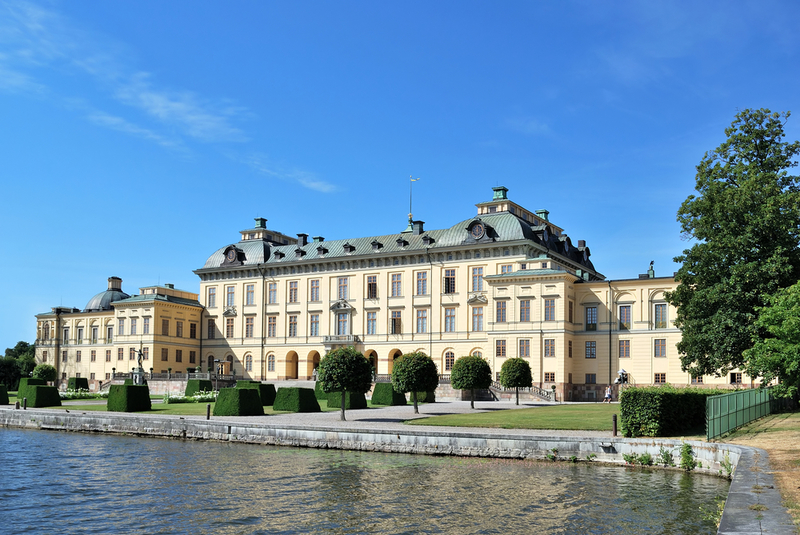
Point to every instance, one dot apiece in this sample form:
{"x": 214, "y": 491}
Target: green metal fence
{"x": 726, "y": 412}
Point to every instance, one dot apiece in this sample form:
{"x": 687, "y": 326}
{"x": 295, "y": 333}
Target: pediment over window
{"x": 477, "y": 299}
{"x": 341, "y": 306}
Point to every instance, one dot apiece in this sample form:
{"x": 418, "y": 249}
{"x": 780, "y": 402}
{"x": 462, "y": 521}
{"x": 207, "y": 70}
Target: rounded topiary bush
{"x": 294, "y": 399}
{"x": 238, "y": 402}
{"x": 78, "y": 383}
{"x": 43, "y": 396}
{"x": 128, "y": 398}
{"x": 193, "y": 386}
{"x": 352, "y": 400}
{"x": 385, "y": 394}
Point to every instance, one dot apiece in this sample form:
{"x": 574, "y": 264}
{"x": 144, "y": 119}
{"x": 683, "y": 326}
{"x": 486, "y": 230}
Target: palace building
{"x": 504, "y": 282}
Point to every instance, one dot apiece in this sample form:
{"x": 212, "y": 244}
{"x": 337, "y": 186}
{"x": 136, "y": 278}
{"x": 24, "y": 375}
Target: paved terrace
{"x": 383, "y": 429}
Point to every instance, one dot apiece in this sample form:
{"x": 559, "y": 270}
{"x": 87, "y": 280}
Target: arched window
{"x": 211, "y": 362}
{"x": 46, "y": 334}
{"x": 248, "y": 362}
{"x": 271, "y": 363}
{"x": 477, "y": 354}
{"x": 449, "y": 359}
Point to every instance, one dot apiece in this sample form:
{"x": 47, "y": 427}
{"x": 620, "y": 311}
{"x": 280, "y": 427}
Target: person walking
{"x": 607, "y": 399}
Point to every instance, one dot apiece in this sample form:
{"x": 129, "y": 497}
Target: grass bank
{"x": 589, "y": 417}
{"x": 779, "y": 435}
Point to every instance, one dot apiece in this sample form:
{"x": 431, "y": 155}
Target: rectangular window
{"x": 549, "y": 347}
{"x": 250, "y": 294}
{"x": 271, "y": 326}
{"x": 120, "y": 354}
{"x": 93, "y": 356}
{"x": 230, "y": 296}
{"x": 292, "y": 325}
{"x": 342, "y": 288}
{"x": 449, "y": 281}
{"x": 450, "y": 320}
{"x": 108, "y": 376}
{"x": 500, "y": 348}
{"x": 313, "y": 325}
{"x": 211, "y": 302}
{"x": 477, "y": 279}
{"x": 64, "y": 356}
{"x": 661, "y": 316}
{"x": 192, "y": 330}
{"x": 591, "y": 318}
{"x": 228, "y": 327}
{"x": 625, "y": 317}
{"x": 525, "y": 310}
{"x": 372, "y": 286}
{"x": 248, "y": 327}
{"x": 397, "y": 280}
{"x": 293, "y": 292}
{"x": 179, "y": 329}
{"x": 108, "y": 355}
{"x": 77, "y": 356}
{"x": 314, "y": 292}
{"x": 192, "y": 357}
{"x": 697, "y": 380}
{"x": 591, "y": 378}
{"x": 508, "y": 268}
{"x": 397, "y": 326}
{"x": 524, "y": 349}
{"x": 271, "y": 363}
{"x": 500, "y": 317}
{"x": 477, "y": 319}
{"x": 549, "y": 377}
{"x": 178, "y": 355}
{"x": 569, "y": 348}
{"x": 212, "y": 329}
{"x": 736, "y": 378}
{"x": 164, "y": 354}
{"x": 120, "y": 327}
{"x": 570, "y": 313}
{"x": 94, "y": 335}
{"x": 549, "y": 310}
{"x": 133, "y": 325}
{"x": 624, "y": 349}
{"x": 272, "y": 293}
{"x": 422, "y": 283}
{"x": 660, "y": 379}
{"x": 146, "y": 326}
{"x": 372, "y": 321}
{"x": 591, "y": 350}
{"x": 660, "y": 347}
{"x": 342, "y": 323}
{"x": 91, "y": 376}
{"x": 132, "y": 353}
{"x": 165, "y": 327}
{"x": 422, "y": 321}
{"x": 145, "y": 353}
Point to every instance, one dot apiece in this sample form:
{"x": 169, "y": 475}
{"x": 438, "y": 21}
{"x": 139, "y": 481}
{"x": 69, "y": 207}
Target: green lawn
{"x": 591, "y": 417}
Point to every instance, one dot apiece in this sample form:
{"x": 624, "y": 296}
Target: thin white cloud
{"x": 261, "y": 164}
{"x": 121, "y": 125}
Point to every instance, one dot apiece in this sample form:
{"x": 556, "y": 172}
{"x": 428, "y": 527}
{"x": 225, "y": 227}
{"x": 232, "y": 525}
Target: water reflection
{"x": 105, "y": 484}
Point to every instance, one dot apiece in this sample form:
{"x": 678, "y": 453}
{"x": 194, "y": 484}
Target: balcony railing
{"x": 340, "y": 339}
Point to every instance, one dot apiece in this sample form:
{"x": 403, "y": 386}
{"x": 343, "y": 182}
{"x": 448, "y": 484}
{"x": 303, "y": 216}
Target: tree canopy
{"x": 777, "y": 355}
{"x": 415, "y": 372}
{"x": 471, "y": 373}
{"x": 745, "y": 221}
{"x": 18, "y": 362}
{"x": 345, "y": 370}
{"x": 516, "y": 373}
{"x": 45, "y": 372}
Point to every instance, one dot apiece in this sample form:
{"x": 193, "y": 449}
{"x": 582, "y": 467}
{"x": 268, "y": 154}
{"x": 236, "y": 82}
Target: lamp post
{"x": 216, "y": 375}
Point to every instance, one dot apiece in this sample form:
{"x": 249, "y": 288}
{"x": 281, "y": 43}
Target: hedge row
{"x": 128, "y": 398}
{"x": 193, "y": 386}
{"x": 238, "y": 402}
{"x": 660, "y": 411}
{"x": 295, "y": 399}
{"x": 426, "y": 397}
{"x": 265, "y": 391}
{"x": 3, "y": 395}
{"x": 352, "y": 400}
{"x": 76, "y": 383}
{"x": 24, "y": 383}
{"x": 42, "y": 396}
{"x": 385, "y": 394}
{"x": 319, "y": 393}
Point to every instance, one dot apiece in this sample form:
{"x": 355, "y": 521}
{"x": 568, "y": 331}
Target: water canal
{"x": 78, "y": 483}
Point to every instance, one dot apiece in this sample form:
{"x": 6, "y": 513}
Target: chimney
{"x": 581, "y": 243}
{"x": 302, "y": 239}
{"x": 318, "y": 239}
{"x": 417, "y": 227}
{"x": 544, "y": 214}
{"x": 115, "y": 283}
{"x": 169, "y": 285}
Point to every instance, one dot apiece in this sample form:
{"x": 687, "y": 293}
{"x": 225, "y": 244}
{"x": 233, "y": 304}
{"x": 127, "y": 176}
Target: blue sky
{"x": 140, "y": 136}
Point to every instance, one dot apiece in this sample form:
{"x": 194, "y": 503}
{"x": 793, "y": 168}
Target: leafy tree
{"x": 415, "y": 372}
{"x": 471, "y": 373}
{"x": 45, "y": 372}
{"x": 777, "y": 356}
{"x": 21, "y": 349}
{"x": 345, "y": 370}
{"x": 9, "y": 372}
{"x": 516, "y": 373}
{"x": 746, "y": 223}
